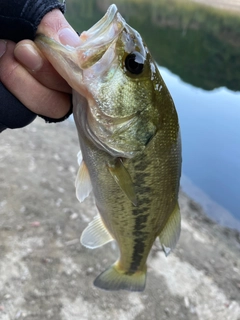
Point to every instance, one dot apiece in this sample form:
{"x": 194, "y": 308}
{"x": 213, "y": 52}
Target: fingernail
{"x": 28, "y": 56}
{"x": 3, "y": 46}
{"x": 69, "y": 36}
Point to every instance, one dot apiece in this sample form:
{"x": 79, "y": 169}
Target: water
{"x": 211, "y": 145}
{"x": 199, "y": 53}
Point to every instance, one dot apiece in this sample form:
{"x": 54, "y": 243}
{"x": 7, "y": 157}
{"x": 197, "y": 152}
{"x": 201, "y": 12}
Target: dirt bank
{"x": 46, "y": 274}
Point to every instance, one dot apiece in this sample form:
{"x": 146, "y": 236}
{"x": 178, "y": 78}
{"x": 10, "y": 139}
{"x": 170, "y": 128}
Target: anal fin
{"x": 96, "y": 234}
{"x": 170, "y": 234}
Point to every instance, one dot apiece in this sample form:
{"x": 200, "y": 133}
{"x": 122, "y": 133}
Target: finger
{"x": 27, "y": 53}
{"x": 54, "y": 25}
{"x": 29, "y": 91}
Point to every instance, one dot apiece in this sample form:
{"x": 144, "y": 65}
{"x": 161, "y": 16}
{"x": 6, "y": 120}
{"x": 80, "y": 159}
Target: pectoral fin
{"x": 82, "y": 183}
{"x": 96, "y": 234}
{"x": 123, "y": 179}
{"x": 170, "y": 234}
{"x": 79, "y": 157}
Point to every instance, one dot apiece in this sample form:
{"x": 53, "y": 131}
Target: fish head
{"x": 116, "y": 83}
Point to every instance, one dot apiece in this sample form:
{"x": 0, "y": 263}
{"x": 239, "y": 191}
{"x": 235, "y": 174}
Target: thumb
{"x": 54, "y": 25}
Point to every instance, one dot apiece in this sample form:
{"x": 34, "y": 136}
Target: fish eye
{"x": 134, "y": 62}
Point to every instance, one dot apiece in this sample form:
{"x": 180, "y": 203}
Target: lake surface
{"x": 199, "y": 56}
{"x": 210, "y": 126}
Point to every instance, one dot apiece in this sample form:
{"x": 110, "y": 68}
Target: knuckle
{"x": 8, "y": 66}
{"x": 7, "y": 73}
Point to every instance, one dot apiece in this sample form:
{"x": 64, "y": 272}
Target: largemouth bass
{"x": 130, "y": 145}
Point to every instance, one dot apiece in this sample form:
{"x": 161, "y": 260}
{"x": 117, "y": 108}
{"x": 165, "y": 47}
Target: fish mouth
{"x": 104, "y": 31}
{"x": 102, "y": 25}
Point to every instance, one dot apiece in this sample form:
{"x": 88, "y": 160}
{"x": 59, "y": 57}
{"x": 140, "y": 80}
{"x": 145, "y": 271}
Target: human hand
{"x": 28, "y": 75}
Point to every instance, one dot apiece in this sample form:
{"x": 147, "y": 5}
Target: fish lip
{"x": 104, "y": 22}
{"x": 101, "y": 27}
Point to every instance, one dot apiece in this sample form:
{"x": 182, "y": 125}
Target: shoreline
{"x": 217, "y": 213}
{"x": 234, "y": 5}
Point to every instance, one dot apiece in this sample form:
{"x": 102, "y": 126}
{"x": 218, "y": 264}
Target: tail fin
{"x": 116, "y": 279}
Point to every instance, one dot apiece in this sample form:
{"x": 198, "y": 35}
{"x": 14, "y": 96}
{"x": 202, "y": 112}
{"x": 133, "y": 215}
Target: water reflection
{"x": 202, "y": 47}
